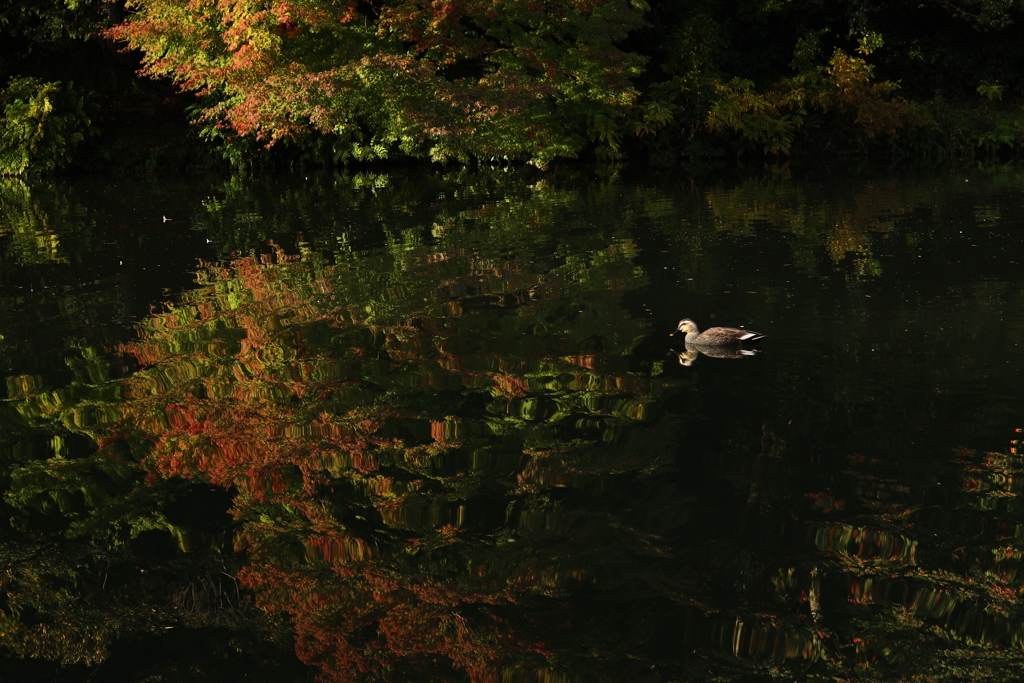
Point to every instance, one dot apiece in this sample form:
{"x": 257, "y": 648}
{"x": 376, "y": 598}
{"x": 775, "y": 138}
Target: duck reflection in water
{"x": 688, "y": 356}
{"x": 717, "y": 342}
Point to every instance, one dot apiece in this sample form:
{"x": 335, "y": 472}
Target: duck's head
{"x": 686, "y": 326}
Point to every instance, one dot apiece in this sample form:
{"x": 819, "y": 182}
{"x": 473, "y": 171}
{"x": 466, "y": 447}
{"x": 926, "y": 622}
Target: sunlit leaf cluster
{"x": 452, "y": 80}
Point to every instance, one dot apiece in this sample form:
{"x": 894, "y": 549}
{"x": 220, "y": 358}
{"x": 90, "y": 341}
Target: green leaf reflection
{"x": 418, "y": 437}
{"x": 451, "y": 451}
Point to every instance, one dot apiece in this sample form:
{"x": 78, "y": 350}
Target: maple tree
{"x": 527, "y": 79}
{"x": 533, "y": 80}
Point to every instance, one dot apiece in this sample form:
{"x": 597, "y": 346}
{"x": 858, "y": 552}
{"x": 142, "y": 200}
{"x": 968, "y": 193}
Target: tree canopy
{"x": 451, "y": 80}
{"x": 536, "y": 80}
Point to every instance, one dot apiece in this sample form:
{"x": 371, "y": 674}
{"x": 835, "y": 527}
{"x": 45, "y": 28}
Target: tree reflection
{"x": 453, "y": 444}
{"x": 420, "y": 441}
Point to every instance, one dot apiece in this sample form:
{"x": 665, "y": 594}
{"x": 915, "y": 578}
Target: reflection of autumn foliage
{"x": 353, "y": 622}
{"x": 920, "y": 579}
{"x": 858, "y": 227}
{"x": 396, "y": 472}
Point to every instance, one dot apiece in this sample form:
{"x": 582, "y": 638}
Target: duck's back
{"x": 726, "y": 336}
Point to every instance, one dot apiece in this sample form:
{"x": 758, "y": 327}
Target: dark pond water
{"x": 433, "y": 426}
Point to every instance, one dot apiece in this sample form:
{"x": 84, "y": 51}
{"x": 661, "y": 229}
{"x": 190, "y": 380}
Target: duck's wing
{"x": 736, "y": 334}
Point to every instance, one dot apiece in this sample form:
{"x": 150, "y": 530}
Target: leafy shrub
{"x": 843, "y": 89}
{"x": 42, "y": 123}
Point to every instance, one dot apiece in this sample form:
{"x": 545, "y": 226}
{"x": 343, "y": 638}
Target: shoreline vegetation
{"x": 165, "y": 86}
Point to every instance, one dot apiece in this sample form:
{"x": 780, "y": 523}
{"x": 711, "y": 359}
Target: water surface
{"x": 434, "y": 427}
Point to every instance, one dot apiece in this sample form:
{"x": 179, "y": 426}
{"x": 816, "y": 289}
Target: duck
{"x": 717, "y": 336}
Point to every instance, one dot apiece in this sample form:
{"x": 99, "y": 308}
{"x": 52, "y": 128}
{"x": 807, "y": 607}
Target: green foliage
{"x": 770, "y": 119}
{"x": 986, "y": 15}
{"x": 531, "y": 80}
{"x": 841, "y": 78}
{"x": 985, "y": 133}
{"x": 843, "y": 90}
{"x": 42, "y": 124}
{"x": 991, "y": 91}
{"x": 525, "y": 80}
{"x": 41, "y": 22}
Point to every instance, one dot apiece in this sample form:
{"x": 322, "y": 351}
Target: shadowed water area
{"x": 435, "y": 426}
